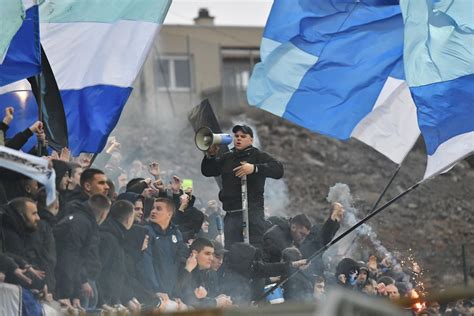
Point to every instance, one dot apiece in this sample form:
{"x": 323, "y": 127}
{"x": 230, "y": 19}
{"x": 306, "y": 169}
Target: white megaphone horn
{"x": 205, "y": 138}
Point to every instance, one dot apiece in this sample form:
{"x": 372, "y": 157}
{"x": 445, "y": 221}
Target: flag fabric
{"x": 34, "y": 167}
{"x": 20, "y": 55}
{"x": 96, "y": 49}
{"x": 439, "y": 64}
{"x": 336, "y": 68}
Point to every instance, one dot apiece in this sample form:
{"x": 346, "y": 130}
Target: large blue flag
{"x": 336, "y": 68}
{"x": 439, "y": 63}
{"x": 20, "y": 54}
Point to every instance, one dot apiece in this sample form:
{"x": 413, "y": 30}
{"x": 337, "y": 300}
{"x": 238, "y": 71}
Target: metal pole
{"x": 40, "y": 112}
{"x": 340, "y": 237}
{"x": 245, "y": 210}
{"x": 464, "y": 264}
{"x": 395, "y": 173}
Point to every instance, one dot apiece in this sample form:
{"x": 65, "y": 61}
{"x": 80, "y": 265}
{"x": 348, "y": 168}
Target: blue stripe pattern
{"x": 23, "y": 58}
{"x": 91, "y": 115}
{"x": 445, "y": 110}
{"x": 356, "y": 46}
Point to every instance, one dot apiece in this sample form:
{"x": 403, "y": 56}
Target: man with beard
{"x": 28, "y": 240}
{"x": 242, "y": 160}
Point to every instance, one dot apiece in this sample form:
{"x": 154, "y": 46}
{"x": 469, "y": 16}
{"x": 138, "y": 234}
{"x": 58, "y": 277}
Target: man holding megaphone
{"x": 243, "y": 160}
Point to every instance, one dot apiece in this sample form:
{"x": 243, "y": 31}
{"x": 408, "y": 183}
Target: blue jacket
{"x": 163, "y": 259}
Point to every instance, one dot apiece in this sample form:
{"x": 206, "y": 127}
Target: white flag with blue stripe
{"x": 95, "y": 49}
{"x": 336, "y": 68}
{"x": 439, "y": 65}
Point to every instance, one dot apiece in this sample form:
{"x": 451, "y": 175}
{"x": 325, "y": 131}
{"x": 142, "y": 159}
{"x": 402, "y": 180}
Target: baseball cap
{"x": 244, "y": 128}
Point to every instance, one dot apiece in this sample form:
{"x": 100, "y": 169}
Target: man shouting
{"x": 242, "y": 160}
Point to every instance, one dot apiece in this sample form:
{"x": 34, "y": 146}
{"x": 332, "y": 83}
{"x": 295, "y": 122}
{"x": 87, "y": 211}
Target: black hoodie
{"x": 112, "y": 277}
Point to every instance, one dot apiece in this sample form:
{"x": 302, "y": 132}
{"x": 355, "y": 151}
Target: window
{"x": 173, "y": 72}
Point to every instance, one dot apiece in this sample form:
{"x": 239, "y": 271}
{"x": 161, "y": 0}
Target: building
{"x": 189, "y": 63}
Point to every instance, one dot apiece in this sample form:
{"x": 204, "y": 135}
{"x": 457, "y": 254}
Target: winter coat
{"x": 317, "y": 239}
{"x": 134, "y": 257}
{"x": 112, "y": 277}
{"x": 34, "y": 247}
{"x": 77, "y": 244}
{"x": 189, "y": 221}
{"x": 230, "y": 195}
{"x": 189, "y": 281}
{"x": 162, "y": 261}
{"x": 275, "y": 240}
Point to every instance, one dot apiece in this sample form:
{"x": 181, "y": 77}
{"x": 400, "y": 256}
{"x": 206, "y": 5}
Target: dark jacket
{"x": 70, "y": 200}
{"x": 112, "y": 256}
{"x": 134, "y": 257}
{"x": 189, "y": 221}
{"x": 243, "y": 273}
{"x": 34, "y": 247}
{"x": 230, "y": 195}
{"x": 189, "y": 281}
{"x": 164, "y": 258}
{"x": 77, "y": 245}
{"x": 275, "y": 240}
{"x": 317, "y": 239}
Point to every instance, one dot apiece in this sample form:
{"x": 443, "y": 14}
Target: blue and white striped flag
{"x": 336, "y": 68}
{"x": 95, "y": 49}
{"x": 20, "y": 54}
{"x": 439, "y": 64}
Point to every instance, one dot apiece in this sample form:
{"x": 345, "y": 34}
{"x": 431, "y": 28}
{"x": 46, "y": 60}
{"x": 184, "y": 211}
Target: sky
{"x": 226, "y": 12}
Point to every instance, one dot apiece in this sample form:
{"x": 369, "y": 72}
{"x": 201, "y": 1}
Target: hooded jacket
{"x": 189, "y": 221}
{"x": 275, "y": 240}
{"x": 162, "y": 261}
{"x": 34, "y": 247}
{"x": 112, "y": 277}
{"x": 230, "y": 195}
{"x": 77, "y": 245}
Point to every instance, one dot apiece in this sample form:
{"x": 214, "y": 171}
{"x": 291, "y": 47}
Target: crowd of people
{"x": 124, "y": 238}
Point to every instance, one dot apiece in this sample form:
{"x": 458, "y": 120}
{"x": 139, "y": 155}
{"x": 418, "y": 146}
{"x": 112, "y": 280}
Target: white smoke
{"x": 341, "y": 193}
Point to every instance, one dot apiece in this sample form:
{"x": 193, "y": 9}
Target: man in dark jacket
{"x": 188, "y": 218}
{"x": 285, "y": 234}
{"x": 197, "y": 285}
{"x": 166, "y": 252}
{"x": 77, "y": 246}
{"x": 28, "y": 238}
{"x": 93, "y": 181}
{"x": 111, "y": 282}
{"x": 244, "y": 273}
{"x": 243, "y": 160}
{"x": 300, "y": 233}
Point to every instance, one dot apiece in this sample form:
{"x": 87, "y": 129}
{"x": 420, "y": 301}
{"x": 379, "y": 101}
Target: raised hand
{"x": 8, "y": 115}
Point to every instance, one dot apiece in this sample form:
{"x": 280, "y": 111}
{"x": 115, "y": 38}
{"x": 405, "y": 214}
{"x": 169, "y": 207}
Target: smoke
{"x": 342, "y": 194}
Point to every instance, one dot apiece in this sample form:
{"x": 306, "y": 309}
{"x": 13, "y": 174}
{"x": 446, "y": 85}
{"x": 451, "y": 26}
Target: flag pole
{"x": 40, "y": 113}
{"x": 389, "y": 183}
{"x": 340, "y": 237}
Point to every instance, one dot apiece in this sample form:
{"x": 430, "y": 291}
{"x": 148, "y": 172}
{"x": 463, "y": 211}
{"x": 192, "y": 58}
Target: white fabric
{"x": 88, "y": 54}
{"x": 31, "y": 166}
{"x": 460, "y": 146}
{"x": 10, "y": 299}
{"x": 391, "y": 128}
{"x": 20, "y": 85}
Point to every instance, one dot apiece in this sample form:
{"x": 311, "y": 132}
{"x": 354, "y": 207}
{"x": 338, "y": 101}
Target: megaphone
{"x": 205, "y": 138}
